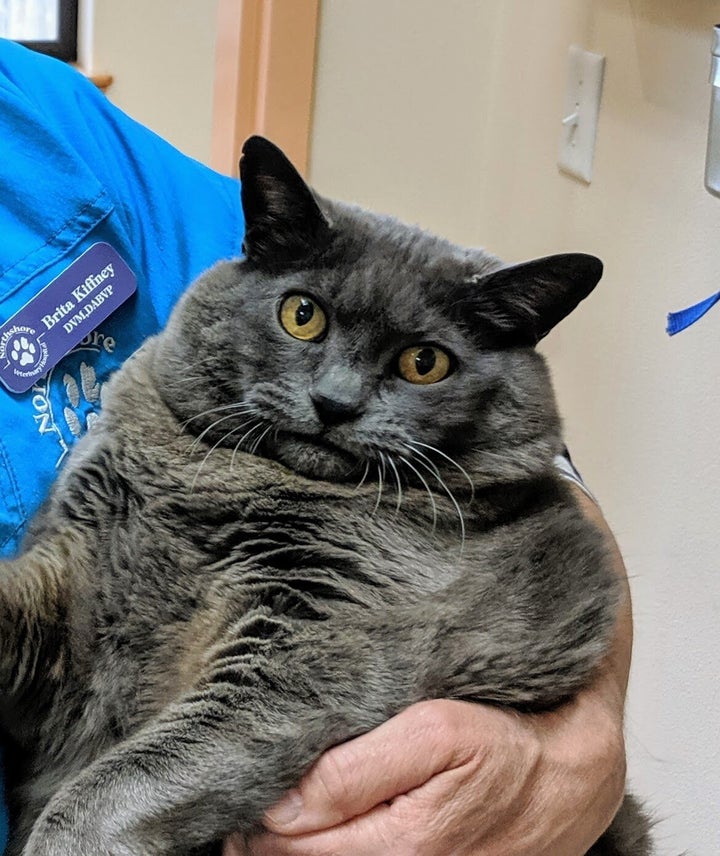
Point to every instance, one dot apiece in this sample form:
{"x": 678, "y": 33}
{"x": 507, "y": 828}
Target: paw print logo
{"x": 23, "y": 352}
{"x": 87, "y": 392}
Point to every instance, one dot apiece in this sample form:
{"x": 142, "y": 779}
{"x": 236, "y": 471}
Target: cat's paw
{"x": 53, "y": 843}
{"x": 66, "y": 832}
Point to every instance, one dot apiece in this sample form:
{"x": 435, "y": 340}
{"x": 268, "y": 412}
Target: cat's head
{"x": 345, "y": 340}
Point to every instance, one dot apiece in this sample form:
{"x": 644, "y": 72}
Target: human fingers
{"x": 235, "y": 846}
{"x": 542, "y": 785}
{"x": 448, "y": 815}
{"x": 355, "y": 777}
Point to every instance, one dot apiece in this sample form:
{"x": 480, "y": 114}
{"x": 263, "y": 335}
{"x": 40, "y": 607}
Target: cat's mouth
{"x": 313, "y": 456}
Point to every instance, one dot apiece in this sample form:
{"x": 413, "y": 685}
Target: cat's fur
{"x": 204, "y": 606}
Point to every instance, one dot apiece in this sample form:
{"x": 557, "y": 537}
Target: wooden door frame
{"x": 264, "y": 77}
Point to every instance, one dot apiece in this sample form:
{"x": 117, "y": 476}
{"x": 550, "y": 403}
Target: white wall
{"x": 448, "y": 114}
{"x": 162, "y": 57}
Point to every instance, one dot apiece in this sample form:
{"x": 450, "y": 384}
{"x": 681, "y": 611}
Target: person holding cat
{"x": 443, "y": 777}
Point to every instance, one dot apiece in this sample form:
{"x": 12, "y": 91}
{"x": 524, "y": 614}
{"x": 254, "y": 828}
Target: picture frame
{"x": 64, "y": 45}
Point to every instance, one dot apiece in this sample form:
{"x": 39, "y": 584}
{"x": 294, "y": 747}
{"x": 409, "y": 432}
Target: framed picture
{"x": 48, "y": 26}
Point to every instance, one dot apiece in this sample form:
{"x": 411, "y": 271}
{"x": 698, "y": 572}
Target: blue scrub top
{"x": 74, "y": 170}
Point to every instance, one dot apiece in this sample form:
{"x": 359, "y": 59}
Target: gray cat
{"x": 325, "y": 492}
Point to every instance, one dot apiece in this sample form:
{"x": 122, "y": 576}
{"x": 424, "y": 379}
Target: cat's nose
{"x": 333, "y": 409}
{"x": 337, "y": 394}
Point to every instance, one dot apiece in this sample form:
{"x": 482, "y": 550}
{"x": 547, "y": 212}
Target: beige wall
{"x": 162, "y": 57}
{"x": 448, "y": 114}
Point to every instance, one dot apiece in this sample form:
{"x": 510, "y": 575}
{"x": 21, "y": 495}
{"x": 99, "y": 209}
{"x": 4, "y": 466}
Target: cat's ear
{"x": 284, "y": 225}
{"x": 521, "y": 303}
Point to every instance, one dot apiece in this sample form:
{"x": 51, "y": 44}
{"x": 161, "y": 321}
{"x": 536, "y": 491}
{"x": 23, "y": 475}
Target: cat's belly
{"x": 164, "y": 585}
{"x": 174, "y": 592}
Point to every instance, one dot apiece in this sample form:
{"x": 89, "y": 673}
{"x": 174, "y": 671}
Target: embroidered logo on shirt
{"x": 63, "y": 412}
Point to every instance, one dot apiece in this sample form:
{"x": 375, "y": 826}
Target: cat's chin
{"x": 313, "y": 459}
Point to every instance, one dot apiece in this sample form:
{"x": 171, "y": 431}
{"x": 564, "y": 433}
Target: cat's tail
{"x": 628, "y": 834}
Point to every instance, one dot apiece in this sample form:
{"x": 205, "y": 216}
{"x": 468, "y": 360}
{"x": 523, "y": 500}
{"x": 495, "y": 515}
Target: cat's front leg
{"x": 216, "y": 761}
{"x": 164, "y": 791}
{"x": 178, "y": 787}
{"x": 33, "y": 606}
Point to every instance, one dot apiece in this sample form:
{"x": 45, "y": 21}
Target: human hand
{"x": 448, "y": 778}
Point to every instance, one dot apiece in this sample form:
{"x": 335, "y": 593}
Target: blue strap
{"x": 678, "y": 321}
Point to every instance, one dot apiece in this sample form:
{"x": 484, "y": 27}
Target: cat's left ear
{"x": 284, "y": 225}
{"x": 522, "y": 303}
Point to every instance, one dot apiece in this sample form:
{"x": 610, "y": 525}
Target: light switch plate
{"x": 712, "y": 159}
{"x": 582, "y": 107}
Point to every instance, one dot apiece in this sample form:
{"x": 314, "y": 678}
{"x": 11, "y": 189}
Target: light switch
{"x": 580, "y": 117}
{"x": 712, "y": 160}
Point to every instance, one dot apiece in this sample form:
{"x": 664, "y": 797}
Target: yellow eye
{"x": 424, "y": 364}
{"x": 302, "y": 318}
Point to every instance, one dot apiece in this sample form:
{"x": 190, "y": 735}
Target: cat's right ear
{"x": 519, "y": 304}
{"x": 284, "y": 226}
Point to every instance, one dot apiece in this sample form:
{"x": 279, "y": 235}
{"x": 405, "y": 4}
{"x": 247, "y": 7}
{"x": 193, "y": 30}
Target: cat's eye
{"x": 424, "y": 364}
{"x": 302, "y": 317}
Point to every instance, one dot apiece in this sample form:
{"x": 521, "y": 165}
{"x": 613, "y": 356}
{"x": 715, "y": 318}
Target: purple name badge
{"x": 47, "y": 328}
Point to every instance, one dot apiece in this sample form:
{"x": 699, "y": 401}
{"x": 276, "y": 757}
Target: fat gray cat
{"x": 325, "y": 492}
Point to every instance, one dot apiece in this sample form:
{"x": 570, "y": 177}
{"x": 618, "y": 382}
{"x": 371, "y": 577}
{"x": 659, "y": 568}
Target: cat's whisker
{"x": 234, "y": 455}
{"x": 256, "y": 444}
{"x": 381, "y": 473}
{"x": 198, "y": 440}
{"x": 236, "y": 449}
{"x": 399, "y": 485}
{"x": 450, "y": 460}
{"x": 193, "y": 382}
{"x": 203, "y": 360}
{"x": 430, "y": 464}
{"x": 247, "y": 434}
{"x": 189, "y": 373}
{"x": 236, "y": 405}
{"x": 453, "y": 500}
{"x": 364, "y": 476}
{"x": 206, "y": 359}
{"x": 427, "y": 488}
{"x": 225, "y": 406}
{"x": 210, "y": 451}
